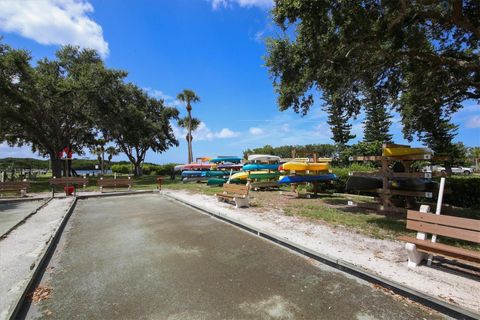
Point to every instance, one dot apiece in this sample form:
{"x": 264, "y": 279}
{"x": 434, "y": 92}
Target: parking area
{"x": 146, "y": 257}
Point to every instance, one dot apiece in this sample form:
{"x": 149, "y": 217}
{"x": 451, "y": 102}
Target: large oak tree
{"x": 50, "y": 105}
{"x": 420, "y": 57}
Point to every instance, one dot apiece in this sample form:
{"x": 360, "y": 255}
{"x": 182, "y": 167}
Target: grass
{"x": 371, "y": 224}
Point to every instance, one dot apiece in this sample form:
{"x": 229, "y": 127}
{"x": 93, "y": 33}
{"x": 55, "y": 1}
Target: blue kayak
{"x": 229, "y": 159}
{"x": 260, "y": 166}
{"x": 300, "y": 179}
{"x": 192, "y": 173}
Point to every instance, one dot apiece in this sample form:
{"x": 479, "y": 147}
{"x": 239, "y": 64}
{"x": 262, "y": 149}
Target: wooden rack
{"x": 385, "y": 194}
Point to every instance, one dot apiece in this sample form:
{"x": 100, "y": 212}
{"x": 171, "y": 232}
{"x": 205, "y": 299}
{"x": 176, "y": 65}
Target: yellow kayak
{"x": 240, "y": 176}
{"x": 405, "y": 151}
{"x": 304, "y": 166}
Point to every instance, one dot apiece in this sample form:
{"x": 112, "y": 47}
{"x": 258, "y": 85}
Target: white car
{"x": 457, "y": 170}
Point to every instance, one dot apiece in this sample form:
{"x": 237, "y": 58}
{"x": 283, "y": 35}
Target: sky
{"x": 214, "y": 47}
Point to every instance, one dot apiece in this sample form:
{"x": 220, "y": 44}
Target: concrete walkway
{"x": 22, "y": 249}
{"x": 145, "y": 257}
{"x": 13, "y": 212}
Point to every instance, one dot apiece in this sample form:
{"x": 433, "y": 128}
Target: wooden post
{"x": 101, "y": 185}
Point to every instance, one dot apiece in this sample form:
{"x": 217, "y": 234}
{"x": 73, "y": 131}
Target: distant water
{"x": 92, "y": 172}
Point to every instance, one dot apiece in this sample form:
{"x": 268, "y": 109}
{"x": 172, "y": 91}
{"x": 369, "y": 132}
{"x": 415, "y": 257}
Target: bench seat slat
{"x": 451, "y": 221}
{"x": 440, "y": 248}
{"x": 450, "y": 232}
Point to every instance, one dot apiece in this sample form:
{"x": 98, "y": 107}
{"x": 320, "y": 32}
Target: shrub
{"x": 465, "y": 191}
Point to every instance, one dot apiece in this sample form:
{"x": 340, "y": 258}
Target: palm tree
{"x": 188, "y": 96}
{"x": 99, "y": 151}
{"x": 111, "y": 151}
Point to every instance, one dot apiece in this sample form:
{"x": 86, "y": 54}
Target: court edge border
{"x": 43, "y": 258}
{"x": 407, "y": 292}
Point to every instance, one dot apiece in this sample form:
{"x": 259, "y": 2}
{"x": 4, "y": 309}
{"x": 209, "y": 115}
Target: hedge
{"x": 465, "y": 191}
{"x": 148, "y": 169}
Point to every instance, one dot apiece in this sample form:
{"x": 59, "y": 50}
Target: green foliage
{"x": 48, "y": 105}
{"x": 465, "y": 192}
{"x": 420, "y": 58}
{"x": 148, "y": 168}
{"x": 323, "y": 150}
{"x": 361, "y": 149}
{"x": 183, "y": 123}
{"x": 137, "y": 123}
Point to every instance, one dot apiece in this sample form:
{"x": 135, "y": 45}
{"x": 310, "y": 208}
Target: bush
{"x": 148, "y": 168}
{"x": 465, "y": 191}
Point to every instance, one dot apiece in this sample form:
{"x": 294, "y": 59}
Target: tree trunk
{"x": 190, "y": 152}
{"x": 56, "y": 165}
{"x": 137, "y": 169}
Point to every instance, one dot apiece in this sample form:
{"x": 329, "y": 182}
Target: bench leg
{"x": 414, "y": 256}
{"x": 241, "y": 202}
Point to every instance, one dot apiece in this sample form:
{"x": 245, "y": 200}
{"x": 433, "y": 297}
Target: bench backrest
{"x": 235, "y": 189}
{"x": 448, "y": 226}
{"x": 68, "y": 180}
{"x": 115, "y": 182}
{"x": 14, "y": 185}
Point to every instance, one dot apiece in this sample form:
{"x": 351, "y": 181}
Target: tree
{"x": 138, "y": 123}
{"x": 99, "y": 151}
{"x": 48, "y": 106}
{"x": 184, "y": 123}
{"x": 188, "y": 96}
{"x": 111, "y": 151}
{"x": 421, "y": 58}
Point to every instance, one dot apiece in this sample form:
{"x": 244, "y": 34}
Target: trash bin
{"x": 69, "y": 190}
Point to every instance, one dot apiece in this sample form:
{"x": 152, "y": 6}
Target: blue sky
{"x": 214, "y": 47}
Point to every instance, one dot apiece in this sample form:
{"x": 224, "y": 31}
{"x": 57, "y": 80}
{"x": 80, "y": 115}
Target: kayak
{"x": 257, "y": 175}
{"x": 418, "y": 184}
{"x": 216, "y": 181}
{"x": 405, "y": 151}
{"x": 189, "y": 173}
{"x": 234, "y": 166}
{"x": 260, "y": 166}
{"x": 304, "y": 166}
{"x": 407, "y": 184}
{"x": 193, "y": 179}
{"x": 363, "y": 183}
{"x": 262, "y": 175}
{"x": 307, "y": 178}
{"x": 226, "y": 159}
{"x": 178, "y": 167}
{"x": 240, "y": 176}
{"x": 215, "y": 173}
{"x": 263, "y": 158}
{"x": 197, "y": 166}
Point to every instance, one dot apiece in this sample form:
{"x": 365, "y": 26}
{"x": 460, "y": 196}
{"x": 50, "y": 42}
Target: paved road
{"x": 13, "y": 212}
{"x": 145, "y": 257}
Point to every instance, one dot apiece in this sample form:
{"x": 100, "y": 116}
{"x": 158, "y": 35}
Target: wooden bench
{"x": 17, "y": 187}
{"x": 68, "y": 181}
{"x": 234, "y": 193}
{"x": 115, "y": 183}
{"x": 448, "y": 226}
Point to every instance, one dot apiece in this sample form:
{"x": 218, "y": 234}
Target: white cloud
{"x": 169, "y": 100}
{"x": 204, "y": 133}
{"x": 256, "y": 131}
{"x": 226, "y": 133}
{"x": 54, "y": 22}
{"x": 264, "y": 4}
{"x": 473, "y": 122}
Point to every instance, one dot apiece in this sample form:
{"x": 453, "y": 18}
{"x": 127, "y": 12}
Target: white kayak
{"x": 263, "y": 158}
